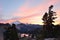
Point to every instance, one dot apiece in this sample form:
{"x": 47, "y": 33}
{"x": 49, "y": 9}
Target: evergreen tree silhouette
{"x": 14, "y": 34}
{"x": 48, "y": 22}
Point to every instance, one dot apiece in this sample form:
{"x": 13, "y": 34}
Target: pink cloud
{"x": 27, "y": 14}
{"x": 25, "y": 11}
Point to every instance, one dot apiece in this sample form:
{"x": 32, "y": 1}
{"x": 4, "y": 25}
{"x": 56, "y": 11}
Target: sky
{"x": 27, "y": 11}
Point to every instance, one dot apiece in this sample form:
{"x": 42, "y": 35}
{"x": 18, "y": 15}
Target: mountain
{"x": 16, "y": 22}
{"x": 28, "y": 28}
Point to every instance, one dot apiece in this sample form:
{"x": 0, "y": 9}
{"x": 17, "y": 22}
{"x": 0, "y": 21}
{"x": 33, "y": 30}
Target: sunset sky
{"x": 27, "y": 11}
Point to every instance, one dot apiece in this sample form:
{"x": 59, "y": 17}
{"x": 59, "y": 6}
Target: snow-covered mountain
{"x": 16, "y": 22}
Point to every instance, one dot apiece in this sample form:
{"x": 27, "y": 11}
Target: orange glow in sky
{"x": 32, "y": 13}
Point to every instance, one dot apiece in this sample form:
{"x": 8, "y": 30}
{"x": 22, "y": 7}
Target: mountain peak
{"x": 16, "y": 22}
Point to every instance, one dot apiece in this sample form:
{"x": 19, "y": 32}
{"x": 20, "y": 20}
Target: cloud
{"x": 32, "y": 14}
{"x": 37, "y": 9}
{"x": 1, "y": 12}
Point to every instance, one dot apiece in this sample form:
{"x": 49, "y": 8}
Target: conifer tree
{"x": 48, "y": 19}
